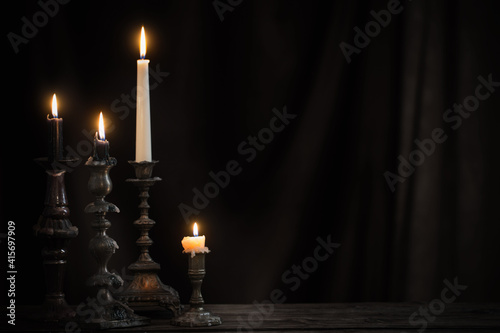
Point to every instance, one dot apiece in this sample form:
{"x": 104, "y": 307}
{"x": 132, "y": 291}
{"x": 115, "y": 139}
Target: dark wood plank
{"x": 356, "y": 316}
{"x": 345, "y": 317}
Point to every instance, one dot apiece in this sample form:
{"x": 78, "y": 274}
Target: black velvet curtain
{"x": 344, "y": 150}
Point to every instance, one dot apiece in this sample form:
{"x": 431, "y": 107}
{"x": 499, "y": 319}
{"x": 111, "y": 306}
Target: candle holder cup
{"x": 196, "y": 316}
{"x": 112, "y": 313}
{"x": 55, "y": 232}
{"x": 146, "y": 291}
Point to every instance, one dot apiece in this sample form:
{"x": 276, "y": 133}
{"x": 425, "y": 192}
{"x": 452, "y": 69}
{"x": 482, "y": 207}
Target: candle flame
{"x": 102, "y": 135}
{"x": 195, "y": 230}
{"x": 143, "y": 44}
{"x": 54, "y": 106}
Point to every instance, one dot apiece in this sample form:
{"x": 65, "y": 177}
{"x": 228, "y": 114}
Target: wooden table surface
{"x": 337, "y": 317}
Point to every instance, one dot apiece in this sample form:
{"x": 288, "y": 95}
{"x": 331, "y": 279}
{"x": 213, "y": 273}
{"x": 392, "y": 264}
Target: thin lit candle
{"x": 54, "y": 106}
{"x": 101, "y": 145}
{"x": 143, "y": 118}
{"x": 55, "y": 138}
{"x": 102, "y": 133}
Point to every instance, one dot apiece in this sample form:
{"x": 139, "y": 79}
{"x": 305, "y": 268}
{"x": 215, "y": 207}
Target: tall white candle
{"x": 143, "y": 121}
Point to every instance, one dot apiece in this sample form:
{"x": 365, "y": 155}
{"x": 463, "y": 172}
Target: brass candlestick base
{"x": 146, "y": 290}
{"x": 111, "y": 312}
{"x": 196, "y": 315}
{"x": 55, "y": 232}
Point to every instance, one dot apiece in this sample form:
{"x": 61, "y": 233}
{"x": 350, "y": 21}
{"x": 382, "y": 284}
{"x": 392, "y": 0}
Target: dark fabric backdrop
{"x": 322, "y": 176}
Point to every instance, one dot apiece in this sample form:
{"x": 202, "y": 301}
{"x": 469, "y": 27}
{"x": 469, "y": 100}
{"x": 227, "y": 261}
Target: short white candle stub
{"x": 195, "y": 244}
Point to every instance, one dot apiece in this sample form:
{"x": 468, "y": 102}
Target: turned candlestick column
{"x": 55, "y": 232}
{"x": 113, "y": 313}
{"x": 196, "y": 315}
{"x": 146, "y": 290}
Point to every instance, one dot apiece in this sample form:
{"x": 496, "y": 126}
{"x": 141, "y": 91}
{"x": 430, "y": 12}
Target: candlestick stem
{"x": 146, "y": 291}
{"x": 113, "y": 313}
{"x": 196, "y": 273}
{"x": 55, "y": 232}
{"x": 196, "y": 315}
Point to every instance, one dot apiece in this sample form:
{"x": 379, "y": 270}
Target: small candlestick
{"x": 55, "y": 134}
{"x": 143, "y": 121}
{"x": 196, "y": 315}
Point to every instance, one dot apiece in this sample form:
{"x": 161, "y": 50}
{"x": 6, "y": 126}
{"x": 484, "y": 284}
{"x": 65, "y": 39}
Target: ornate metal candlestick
{"x": 146, "y": 289}
{"x": 196, "y": 315}
{"x": 55, "y": 232}
{"x": 113, "y": 313}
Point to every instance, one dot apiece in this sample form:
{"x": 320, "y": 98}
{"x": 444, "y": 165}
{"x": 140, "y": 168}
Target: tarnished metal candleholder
{"x": 112, "y": 313}
{"x": 55, "y": 232}
{"x": 146, "y": 289}
{"x": 196, "y": 315}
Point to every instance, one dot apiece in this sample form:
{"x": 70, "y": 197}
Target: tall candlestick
{"x": 110, "y": 313}
{"x": 55, "y": 137}
{"x": 146, "y": 290}
{"x": 143, "y": 121}
{"x": 54, "y": 228}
